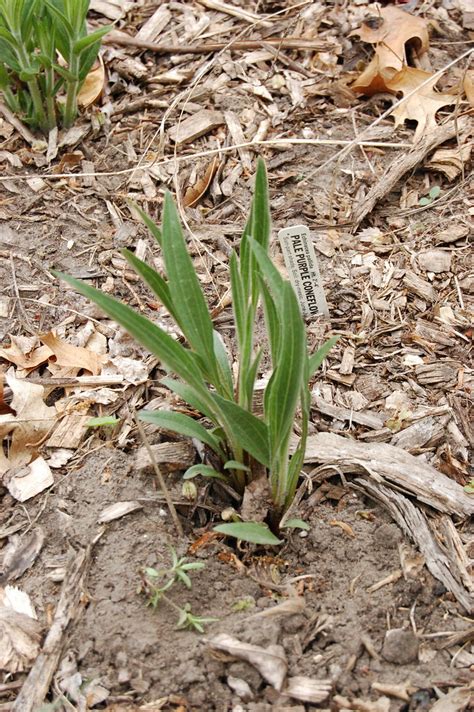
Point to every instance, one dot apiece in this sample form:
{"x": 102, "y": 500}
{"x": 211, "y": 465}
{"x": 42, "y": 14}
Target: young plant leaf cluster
{"x": 247, "y": 446}
{"x": 45, "y": 53}
{"x": 156, "y": 588}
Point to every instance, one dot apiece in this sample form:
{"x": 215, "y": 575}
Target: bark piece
{"x": 387, "y": 464}
{"x": 430, "y": 373}
{"x": 401, "y": 165}
{"x": 152, "y": 28}
{"x": 176, "y": 456}
{"x": 436, "y": 261}
{"x": 70, "y": 432}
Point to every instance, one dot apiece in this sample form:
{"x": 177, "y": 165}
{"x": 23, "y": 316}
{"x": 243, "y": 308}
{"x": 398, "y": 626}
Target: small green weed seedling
{"x": 45, "y": 54}
{"x": 434, "y": 193}
{"x": 244, "y": 446}
{"x": 157, "y": 583}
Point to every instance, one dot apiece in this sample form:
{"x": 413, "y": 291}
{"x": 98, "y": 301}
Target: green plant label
{"x": 303, "y": 270}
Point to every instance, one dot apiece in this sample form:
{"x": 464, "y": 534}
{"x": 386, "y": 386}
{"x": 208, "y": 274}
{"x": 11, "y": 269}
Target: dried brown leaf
{"x": 344, "y": 526}
{"x": 468, "y": 84}
{"x": 25, "y": 352}
{"x": 391, "y": 31}
{"x": 93, "y": 84}
{"x": 72, "y": 358}
{"x": 19, "y": 554}
{"x": 423, "y": 105}
{"x": 33, "y": 420}
{"x": 194, "y": 194}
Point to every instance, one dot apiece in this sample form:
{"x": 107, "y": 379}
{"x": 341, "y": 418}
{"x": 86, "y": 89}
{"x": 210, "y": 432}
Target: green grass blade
{"x": 254, "y": 532}
{"x": 248, "y": 430}
{"x": 170, "y": 352}
{"x": 182, "y": 424}
{"x": 185, "y": 289}
{"x": 316, "y": 359}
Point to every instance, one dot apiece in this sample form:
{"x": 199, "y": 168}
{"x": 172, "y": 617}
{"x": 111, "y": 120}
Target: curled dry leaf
{"x": 25, "y": 352}
{"x": 392, "y": 31}
{"x": 271, "y": 662}
{"x": 344, "y": 526}
{"x": 93, "y": 84}
{"x": 33, "y": 420}
{"x": 4, "y": 407}
{"x": 18, "y": 600}
{"x": 20, "y": 637}
{"x": 194, "y": 194}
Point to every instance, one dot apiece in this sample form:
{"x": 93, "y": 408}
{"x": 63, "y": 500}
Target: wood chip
{"x": 153, "y": 27}
{"x": 419, "y": 286}
{"x": 70, "y": 432}
{"x": 435, "y": 261}
{"x": 367, "y": 418}
{"x": 195, "y": 126}
{"x": 431, "y": 373}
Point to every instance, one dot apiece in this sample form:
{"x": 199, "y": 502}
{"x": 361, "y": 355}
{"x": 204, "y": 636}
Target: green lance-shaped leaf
{"x": 284, "y": 388}
{"x": 172, "y": 354}
{"x": 268, "y": 271}
{"x": 204, "y": 471}
{"x": 182, "y": 424}
{"x": 93, "y": 38}
{"x": 223, "y": 367}
{"x": 249, "y": 431}
{"x": 185, "y": 290}
{"x": 254, "y": 532}
{"x": 296, "y": 524}
{"x": 155, "y": 281}
{"x": 238, "y": 298}
{"x": 316, "y": 359}
{"x": 257, "y": 227}
{"x": 150, "y": 224}
{"x": 191, "y": 397}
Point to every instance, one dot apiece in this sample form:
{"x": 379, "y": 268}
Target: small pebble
{"x": 400, "y": 646}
